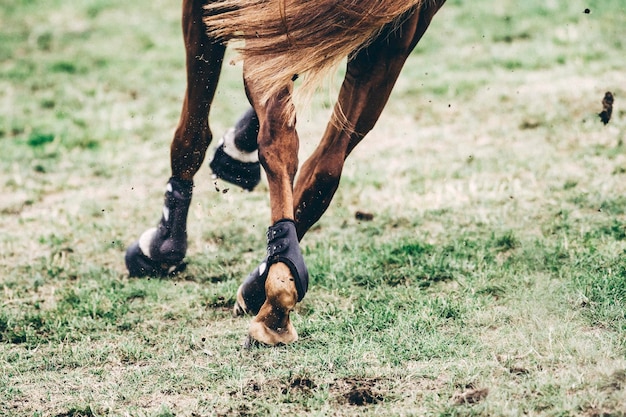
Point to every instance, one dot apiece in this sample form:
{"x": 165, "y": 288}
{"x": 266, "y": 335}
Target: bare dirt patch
{"x": 357, "y": 391}
{"x": 302, "y": 384}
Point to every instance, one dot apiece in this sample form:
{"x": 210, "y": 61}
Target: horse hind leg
{"x": 160, "y": 251}
{"x": 273, "y": 289}
{"x": 370, "y": 77}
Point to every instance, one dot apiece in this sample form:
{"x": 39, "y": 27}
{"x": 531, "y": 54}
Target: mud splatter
{"x": 363, "y": 216}
{"x": 607, "y": 107}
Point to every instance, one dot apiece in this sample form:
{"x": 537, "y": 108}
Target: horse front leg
{"x": 274, "y": 288}
{"x": 160, "y": 251}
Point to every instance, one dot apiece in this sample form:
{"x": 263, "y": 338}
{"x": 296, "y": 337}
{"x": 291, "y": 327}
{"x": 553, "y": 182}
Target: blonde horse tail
{"x": 285, "y": 38}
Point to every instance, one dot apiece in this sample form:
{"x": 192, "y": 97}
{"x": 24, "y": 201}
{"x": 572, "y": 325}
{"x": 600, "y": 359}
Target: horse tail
{"x": 285, "y": 38}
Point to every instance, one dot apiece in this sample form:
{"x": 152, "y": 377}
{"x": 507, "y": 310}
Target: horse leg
{"x": 236, "y": 159}
{"x": 369, "y": 79}
{"x": 160, "y": 251}
{"x": 283, "y": 278}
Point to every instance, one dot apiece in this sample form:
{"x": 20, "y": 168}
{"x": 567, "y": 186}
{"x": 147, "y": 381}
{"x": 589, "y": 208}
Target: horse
{"x": 282, "y": 40}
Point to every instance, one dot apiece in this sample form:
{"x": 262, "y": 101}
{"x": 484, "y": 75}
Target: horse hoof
{"x": 246, "y": 175}
{"x": 264, "y": 335}
{"x": 139, "y": 265}
{"x": 272, "y": 325}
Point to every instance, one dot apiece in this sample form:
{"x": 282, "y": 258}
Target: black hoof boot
{"x": 160, "y": 251}
{"x": 236, "y": 159}
{"x": 246, "y": 175}
{"x": 251, "y": 294}
{"x": 139, "y": 265}
{"x": 282, "y": 246}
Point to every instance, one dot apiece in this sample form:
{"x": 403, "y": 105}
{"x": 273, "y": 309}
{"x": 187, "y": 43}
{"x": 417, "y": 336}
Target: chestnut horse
{"x": 283, "y": 39}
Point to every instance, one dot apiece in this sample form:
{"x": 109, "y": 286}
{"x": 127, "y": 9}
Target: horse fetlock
{"x": 282, "y": 247}
{"x": 160, "y": 250}
{"x": 141, "y": 265}
{"x": 280, "y": 288}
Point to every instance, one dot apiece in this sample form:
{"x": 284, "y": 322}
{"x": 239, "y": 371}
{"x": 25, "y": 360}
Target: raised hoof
{"x": 272, "y": 325}
{"x": 139, "y": 265}
{"x": 246, "y": 175}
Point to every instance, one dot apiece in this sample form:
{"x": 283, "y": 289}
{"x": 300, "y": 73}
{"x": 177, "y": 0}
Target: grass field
{"x": 491, "y": 280}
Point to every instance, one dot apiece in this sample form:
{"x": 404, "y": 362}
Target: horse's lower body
{"x": 268, "y": 130}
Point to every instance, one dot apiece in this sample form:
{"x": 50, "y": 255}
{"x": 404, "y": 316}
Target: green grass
{"x": 490, "y": 281}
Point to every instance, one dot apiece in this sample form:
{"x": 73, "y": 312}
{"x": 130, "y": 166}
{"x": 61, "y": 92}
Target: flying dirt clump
{"x": 607, "y": 107}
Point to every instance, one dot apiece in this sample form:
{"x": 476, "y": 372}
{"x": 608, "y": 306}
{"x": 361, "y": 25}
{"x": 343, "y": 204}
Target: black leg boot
{"x": 282, "y": 246}
{"x": 236, "y": 159}
{"x": 160, "y": 251}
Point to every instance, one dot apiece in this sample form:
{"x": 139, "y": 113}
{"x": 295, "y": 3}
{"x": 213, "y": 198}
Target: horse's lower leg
{"x": 161, "y": 250}
{"x": 282, "y": 279}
